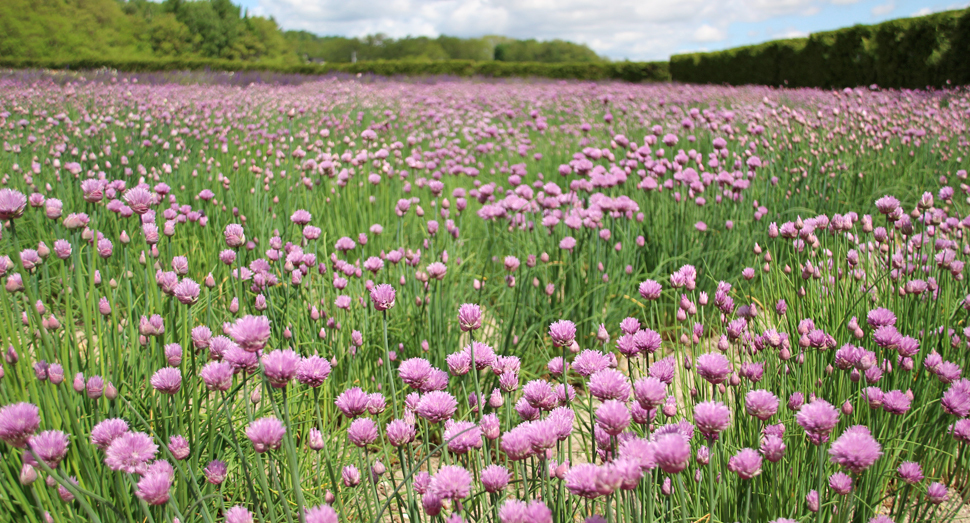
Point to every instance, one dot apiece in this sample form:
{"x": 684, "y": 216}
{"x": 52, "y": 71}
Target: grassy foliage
{"x": 912, "y": 53}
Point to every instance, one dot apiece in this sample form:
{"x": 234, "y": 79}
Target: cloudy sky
{"x": 618, "y": 29}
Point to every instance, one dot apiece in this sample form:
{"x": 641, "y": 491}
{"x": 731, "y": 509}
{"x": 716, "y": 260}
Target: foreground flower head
{"x": 266, "y": 434}
{"x": 18, "y": 422}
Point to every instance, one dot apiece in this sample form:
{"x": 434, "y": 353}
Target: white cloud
{"x": 884, "y": 9}
{"x": 709, "y": 33}
{"x": 635, "y": 29}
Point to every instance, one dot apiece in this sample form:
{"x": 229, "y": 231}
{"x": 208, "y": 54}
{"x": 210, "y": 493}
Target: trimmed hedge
{"x": 628, "y": 71}
{"x": 906, "y": 53}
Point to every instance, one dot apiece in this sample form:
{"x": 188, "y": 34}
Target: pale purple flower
{"x": 436, "y": 406}
{"x": 353, "y": 402}
{"x": 855, "y": 449}
{"x": 105, "y": 432}
{"x": 266, "y": 434}
{"x": 672, "y": 452}
{"x": 818, "y": 418}
{"x": 217, "y": 375}
{"x": 313, "y": 371}
{"x": 382, "y": 296}
{"x": 362, "y": 432}
{"x": 761, "y": 404}
{"x": 18, "y": 422}
{"x": 746, "y": 463}
{"x": 469, "y": 317}
{"x": 251, "y": 332}
{"x": 609, "y": 384}
{"x": 937, "y": 493}
{"x": 712, "y": 418}
{"x": 280, "y": 366}
{"x": 50, "y": 446}
{"x": 613, "y": 417}
{"x": 167, "y": 380}
{"x": 713, "y": 367}
{"x": 910, "y": 472}
{"x": 130, "y": 452}
{"x": 216, "y": 472}
{"x": 495, "y": 478}
{"x": 840, "y": 483}
{"x": 562, "y": 332}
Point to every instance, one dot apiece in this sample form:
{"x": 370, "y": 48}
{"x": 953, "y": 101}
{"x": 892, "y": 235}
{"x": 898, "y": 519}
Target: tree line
{"x": 219, "y": 29}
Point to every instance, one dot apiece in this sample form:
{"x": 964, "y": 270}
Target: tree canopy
{"x": 142, "y": 29}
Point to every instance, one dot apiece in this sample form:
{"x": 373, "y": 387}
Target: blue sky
{"x": 619, "y": 29}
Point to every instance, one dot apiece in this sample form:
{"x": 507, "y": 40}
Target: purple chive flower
{"x": 855, "y": 449}
{"x": 812, "y": 501}
{"x": 462, "y": 436}
{"x": 187, "y": 291}
{"x": 495, "y": 478}
{"x": 490, "y": 426}
{"x": 896, "y": 402}
{"x": 590, "y": 362}
{"x": 107, "y": 431}
{"x": 167, "y": 380}
{"x": 313, "y": 371}
{"x": 217, "y": 375}
{"x": 840, "y": 483}
{"x": 321, "y": 514}
{"x": 650, "y": 290}
{"x": 562, "y": 332}
{"x": 12, "y": 204}
{"x": 513, "y": 511}
{"x": 469, "y": 317}
{"x": 352, "y": 402}
{"x": 609, "y": 384}
{"x": 887, "y": 204}
{"x": 216, "y": 472}
{"x": 154, "y": 487}
{"x": 713, "y": 367}
{"x": 436, "y": 406}
{"x": 362, "y": 432}
{"x": 672, "y": 452}
{"x": 139, "y": 199}
{"x": 539, "y": 395}
{"x": 937, "y": 493}
{"x": 266, "y": 434}
{"x": 451, "y": 482}
{"x": 350, "y": 476}
{"x": 910, "y": 472}
{"x": 414, "y": 371}
{"x": 880, "y": 317}
{"x": 250, "y": 332}
{"x": 280, "y": 366}
{"x": 818, "y": 419}
{"x": 400, "y": 432}
{"x": 50, "y": 446}
{"x": 746, "y": 463}
{"x": 956, "y": 399}
{"x": 761, "y": 404}
{"x": 517, "y": 443}
{"x": 773, "y": 448}
{"x": 18, "y": 422}
{"x": 130, "y": 452}
{"x": 581, "y": 480}
{"x": 179, "y": 447}
{"x": 235, "y": 236}
{"x": 239, "y": 514}
{"x": 613, "y": 417}
{"x": 315, "y": 439}
{"x": 382, "y": 296}
{"x": 650, "y": 392}
{"x": 484, "y": 355}
{"x": 711, "y": 418}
